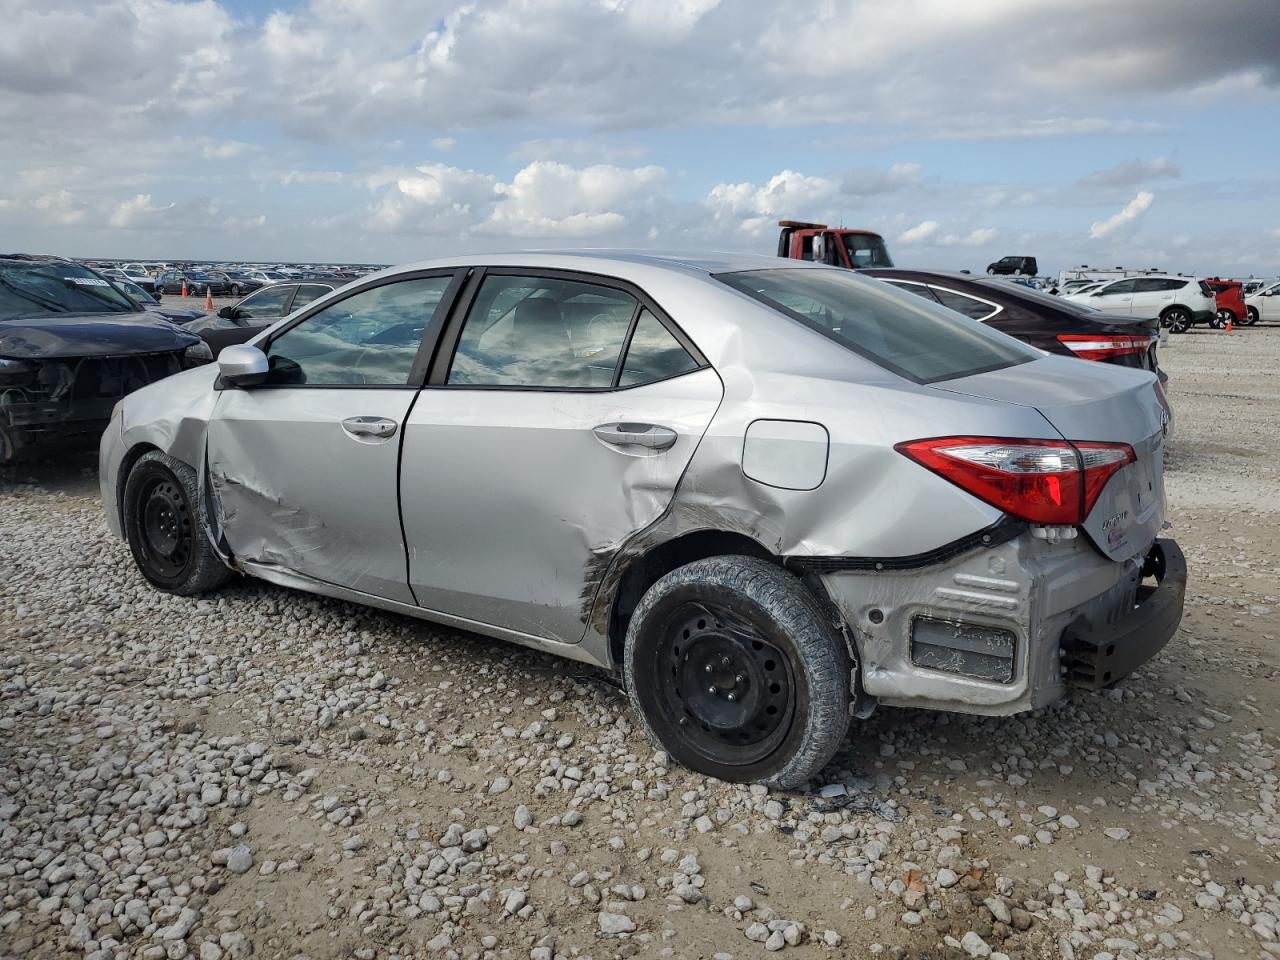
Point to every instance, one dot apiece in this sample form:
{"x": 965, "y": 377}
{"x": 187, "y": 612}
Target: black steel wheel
{"x": 162, "y": 523}
{"x": 737, "y": 673}
{"x": 1177, "y": 319}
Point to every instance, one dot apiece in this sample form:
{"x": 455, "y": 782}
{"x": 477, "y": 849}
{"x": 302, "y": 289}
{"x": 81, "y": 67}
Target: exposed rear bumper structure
{"x": 1008, "y": 627}
{"x": 1096, "y": 657}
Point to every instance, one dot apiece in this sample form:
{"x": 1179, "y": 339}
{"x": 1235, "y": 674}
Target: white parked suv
{"x": 1263, "y": 304}
{"x": 1179, "y": 302}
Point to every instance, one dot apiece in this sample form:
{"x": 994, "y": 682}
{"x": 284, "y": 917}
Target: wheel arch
{"x": 131, "y": 457}
{"x": 645, "y": 568}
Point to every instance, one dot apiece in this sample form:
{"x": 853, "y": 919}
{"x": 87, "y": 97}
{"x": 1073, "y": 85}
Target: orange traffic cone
{"x": 184, "y": 289}
{"x": 1230, "y": 318}
{"x": 208, "y": 299}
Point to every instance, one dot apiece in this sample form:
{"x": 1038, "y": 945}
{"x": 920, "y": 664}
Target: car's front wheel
{"x": 235, "y": 290}
{"x": 1177, "y": 320}
{"x": 1253, "y": 317}
{"x": 162, "y": 522}
{"x": 737, "y": 673}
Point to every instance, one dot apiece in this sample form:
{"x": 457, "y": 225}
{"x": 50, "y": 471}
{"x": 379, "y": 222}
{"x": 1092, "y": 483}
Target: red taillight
{"x": 1043, "y": 481}
{"x": 1104, "y": 346}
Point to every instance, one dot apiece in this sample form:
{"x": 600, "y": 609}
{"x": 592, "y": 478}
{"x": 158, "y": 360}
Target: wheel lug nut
{"x": 711, "y": 689}
{"x": 709, "y": 668}
{"x": 724, "y": 661}
{"x": 732, "y": 697}
{"x": 738, "y": 678}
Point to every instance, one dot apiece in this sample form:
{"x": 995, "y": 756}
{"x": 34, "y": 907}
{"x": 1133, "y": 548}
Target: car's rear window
{"x": 913, "y": 338}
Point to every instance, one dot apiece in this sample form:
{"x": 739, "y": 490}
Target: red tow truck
{"x": 837, "y": 246}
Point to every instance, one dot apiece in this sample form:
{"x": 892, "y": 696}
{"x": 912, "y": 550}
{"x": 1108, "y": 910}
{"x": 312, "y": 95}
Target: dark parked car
{"x": 153, "y": 304}
{"x": 245, "y": 320}
{"x": 236, "y": 283}
{"x": 198, "y": 284}
{"x": 71, "y": 346}
{"x": 1014, "y": 266}
{"x": 1048, "y": 322}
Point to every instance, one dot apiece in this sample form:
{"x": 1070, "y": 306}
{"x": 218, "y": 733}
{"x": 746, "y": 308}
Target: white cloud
{"x": 1132, "y": 173}
{"x": 920, "y": 233}
{"x": 290, "y": 177}
{"x": 1128, "y": 215}
{"x": 444, "y": 143}
{"x": 139, "y": 212}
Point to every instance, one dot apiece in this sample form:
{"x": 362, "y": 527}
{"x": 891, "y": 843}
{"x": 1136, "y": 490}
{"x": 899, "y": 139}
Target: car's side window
{"x": 1121, "y": 286}
{"x": 919, "y": 289}
{"x": 270, "y": 302}
{"x": 525, "y": 331}
{"x": 306, "y": 293}
{"x": 969, "y": 306}
{"x": 368, "y": 339}
{"x": 653, "y": 354}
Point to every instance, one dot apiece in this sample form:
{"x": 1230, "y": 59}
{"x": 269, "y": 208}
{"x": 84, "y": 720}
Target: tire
{"x": 1177, "y": 319}
{"x": 162, "y": 522}
{"x": 1220, "y": 319}
{"x": 1252, "y": 316}
{"x": 775, "y": 707}
{"x": 235, "y": 291}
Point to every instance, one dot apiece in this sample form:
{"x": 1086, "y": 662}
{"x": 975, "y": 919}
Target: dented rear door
{"x": 514, "y": 506}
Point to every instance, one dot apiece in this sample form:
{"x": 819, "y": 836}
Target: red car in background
{"x": 1229, "y": 301}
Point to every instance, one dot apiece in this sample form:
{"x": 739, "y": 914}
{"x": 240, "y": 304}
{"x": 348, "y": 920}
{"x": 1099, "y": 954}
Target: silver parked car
{"x": 771, "y": 494}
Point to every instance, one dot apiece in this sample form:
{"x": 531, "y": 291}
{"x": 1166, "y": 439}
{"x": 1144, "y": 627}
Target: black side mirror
{"x": 227, "y": 313}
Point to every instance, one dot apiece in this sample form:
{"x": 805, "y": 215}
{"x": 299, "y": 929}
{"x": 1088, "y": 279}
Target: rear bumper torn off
{"x": 1096, "y": 657}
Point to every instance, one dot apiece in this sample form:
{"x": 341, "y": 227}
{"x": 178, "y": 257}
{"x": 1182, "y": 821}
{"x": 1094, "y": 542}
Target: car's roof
{"x": 619, "y": 262}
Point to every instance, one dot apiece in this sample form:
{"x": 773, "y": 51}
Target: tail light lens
{"x": 1042, "y": 481}
{"x": 1105, "y": 346}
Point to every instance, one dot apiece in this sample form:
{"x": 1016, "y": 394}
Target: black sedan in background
{"x": 1040, "y": 319}
{"x": 236, "y": 282}
{"x": 245, "y": 320}
{"x": 198, "y": 284}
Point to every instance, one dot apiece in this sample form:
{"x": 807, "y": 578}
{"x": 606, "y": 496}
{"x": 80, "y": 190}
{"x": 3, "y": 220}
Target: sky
{"x": 1108, "y": 132}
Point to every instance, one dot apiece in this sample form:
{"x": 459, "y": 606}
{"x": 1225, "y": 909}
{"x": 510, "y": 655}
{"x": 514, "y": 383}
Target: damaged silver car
{"x": 770, "y": 494}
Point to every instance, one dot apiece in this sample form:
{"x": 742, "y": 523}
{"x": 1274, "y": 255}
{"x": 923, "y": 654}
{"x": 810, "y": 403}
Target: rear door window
{"x": 962, "y": 303}
{"x": 900, "y": 333}
{"x": 919, "y": 289}
{"x": 266, "y": 304}
{"x": 542, "y": 332}
{"x": 306, "y": 293}
{"x": 654, "y": 354}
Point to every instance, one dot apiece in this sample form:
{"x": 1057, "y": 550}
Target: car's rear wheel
{"x": 1252, "y": 316}
{"x": 1222, "y": 318}
{"x": 162, "y": 522}
{"x": 235, "y": 290}
{"x": 737, "y": 673}
{"x": 1177, "y": 319}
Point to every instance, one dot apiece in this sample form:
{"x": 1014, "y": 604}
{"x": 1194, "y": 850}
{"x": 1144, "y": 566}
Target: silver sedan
{"x": 770, "y": 494}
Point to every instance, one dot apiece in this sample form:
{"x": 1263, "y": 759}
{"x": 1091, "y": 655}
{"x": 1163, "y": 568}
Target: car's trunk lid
{"x": 1089, "y": 401}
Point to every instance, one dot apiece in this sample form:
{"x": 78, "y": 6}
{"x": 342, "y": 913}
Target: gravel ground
{"x": 271, "y": 774}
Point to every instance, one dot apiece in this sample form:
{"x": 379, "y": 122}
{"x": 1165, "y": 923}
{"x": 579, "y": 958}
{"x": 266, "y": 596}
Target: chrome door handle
{"x": 378, "y": 427}
{"x": 648, "y": 435}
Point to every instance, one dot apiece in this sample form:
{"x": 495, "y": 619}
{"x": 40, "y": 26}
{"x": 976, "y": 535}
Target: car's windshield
{"x": 135, "y": 291}
{"x": 50, "y": 287}
{"x": 866, "y": 250}
{"x": 272, "y": 275}
{"x": 898, "y": 331}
